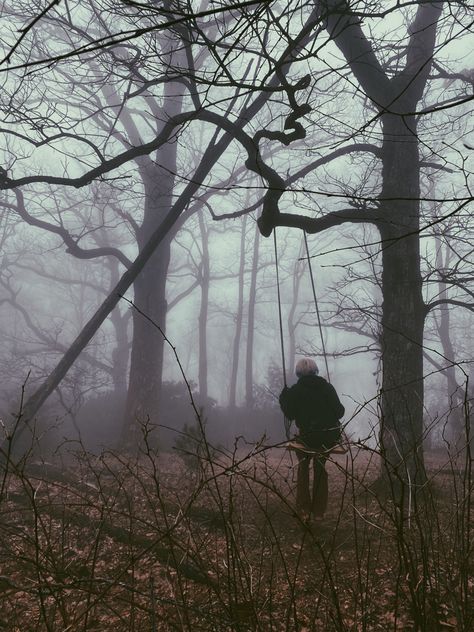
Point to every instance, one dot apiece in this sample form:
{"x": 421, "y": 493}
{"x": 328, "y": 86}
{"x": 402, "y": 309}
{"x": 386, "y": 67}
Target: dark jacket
{"x": 314, "y": 405}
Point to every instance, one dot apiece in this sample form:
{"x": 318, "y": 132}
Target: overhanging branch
{"x": 267, "y": 222}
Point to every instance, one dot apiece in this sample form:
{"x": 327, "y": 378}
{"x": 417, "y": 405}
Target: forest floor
{"x": 180, "y": 543}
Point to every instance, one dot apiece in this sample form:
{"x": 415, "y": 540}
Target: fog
{"x": 92, "y": 172}
{"x": 51, "y": 297}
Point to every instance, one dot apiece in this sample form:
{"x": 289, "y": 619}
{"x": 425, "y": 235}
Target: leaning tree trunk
{"x": 403, "y": 308}
{"x": 162, "y": 232}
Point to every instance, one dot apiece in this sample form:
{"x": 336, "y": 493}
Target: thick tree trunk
{"x": 146, "y": 362}
{"x": 403, "y": 308}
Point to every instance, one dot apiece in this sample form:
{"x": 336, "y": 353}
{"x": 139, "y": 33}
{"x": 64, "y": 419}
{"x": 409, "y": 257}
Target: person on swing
{"x": 315, "y": 407}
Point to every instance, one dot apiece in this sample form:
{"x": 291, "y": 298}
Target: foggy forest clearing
{"x": 181, "y": 542}
{"x": 213, "y": 212}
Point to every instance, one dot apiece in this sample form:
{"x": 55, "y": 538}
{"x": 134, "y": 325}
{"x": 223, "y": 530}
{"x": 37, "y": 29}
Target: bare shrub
{"x": 137, "y": 543}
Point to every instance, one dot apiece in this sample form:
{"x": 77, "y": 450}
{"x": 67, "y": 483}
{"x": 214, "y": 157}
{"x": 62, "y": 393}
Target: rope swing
{"x": 310, "y": 268}
{"x": 339, "y": 448}
{"x": 315, "y": 299}
{"x": 279, "y": 307}
{"x": 287, "y": 421}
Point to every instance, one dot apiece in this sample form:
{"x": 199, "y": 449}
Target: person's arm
{"x": 288, "y": 402}
{"x": 335, "y": 402}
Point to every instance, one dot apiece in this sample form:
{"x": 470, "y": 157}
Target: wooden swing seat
{"x": 298, "y": 446}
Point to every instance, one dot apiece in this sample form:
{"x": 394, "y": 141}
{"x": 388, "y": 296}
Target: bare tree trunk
{"x": 119, "y": 321}
{"x": 34, "y": 403}
{"x": 238, "y": 318}
{"x": 203, "y": 311}
{"x": 455, "y": 394}
{"x": 252, "y": 299}
{"x": 121, "y": 352}
{"x": 146, "y": 362}
{"x": 292, "y": 325}
{"x": 403, "y": 309}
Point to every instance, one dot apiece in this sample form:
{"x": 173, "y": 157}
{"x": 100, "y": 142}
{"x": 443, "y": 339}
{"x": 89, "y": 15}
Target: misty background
{"x": 211, "y": 283}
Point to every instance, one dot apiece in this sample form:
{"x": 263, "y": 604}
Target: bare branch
{"x": 71, "y": 243}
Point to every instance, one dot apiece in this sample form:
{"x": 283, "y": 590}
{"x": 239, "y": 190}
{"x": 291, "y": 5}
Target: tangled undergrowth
{"x": 147, "y": 544}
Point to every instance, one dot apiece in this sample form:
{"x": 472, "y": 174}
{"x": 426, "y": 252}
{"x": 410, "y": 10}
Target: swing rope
{"x": 279, "y": 307}
{"x": 313, "y": 286}
{"x": 339, "y": 448}
{"x": 287, "y": 422}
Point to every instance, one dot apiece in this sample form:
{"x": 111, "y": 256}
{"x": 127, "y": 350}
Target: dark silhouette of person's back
{"x": 316, "y": 409}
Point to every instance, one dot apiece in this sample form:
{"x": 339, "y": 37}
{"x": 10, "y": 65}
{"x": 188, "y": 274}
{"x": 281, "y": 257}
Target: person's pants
{"x": 316, "y": 502}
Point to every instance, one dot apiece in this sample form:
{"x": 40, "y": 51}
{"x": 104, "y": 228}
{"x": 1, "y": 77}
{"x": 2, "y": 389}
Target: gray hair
{"x": 306, "y": 366}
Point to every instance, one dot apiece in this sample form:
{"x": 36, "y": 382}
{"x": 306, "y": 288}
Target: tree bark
{"x": 158, "y": 176}
{"x": 36, "y": 400}
{"x": 403, "y": 308}
{"x": 146, "y": 361}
